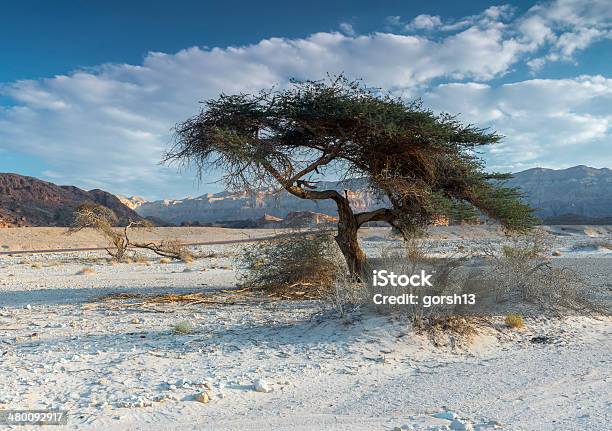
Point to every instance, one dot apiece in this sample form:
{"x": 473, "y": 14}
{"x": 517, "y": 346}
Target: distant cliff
{"x": 578, "y": 194}
{"x": 225, "y": 206}
{"x": 27, "y": 201}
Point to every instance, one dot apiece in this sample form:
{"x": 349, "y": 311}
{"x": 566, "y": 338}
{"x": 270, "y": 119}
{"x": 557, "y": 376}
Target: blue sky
{"x": 89, "y": 90}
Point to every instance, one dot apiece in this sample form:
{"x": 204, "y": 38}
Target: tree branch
{"x": 381, "y": 214}
{"x": 323, "y": 160}
{"x": 298, "y": 191}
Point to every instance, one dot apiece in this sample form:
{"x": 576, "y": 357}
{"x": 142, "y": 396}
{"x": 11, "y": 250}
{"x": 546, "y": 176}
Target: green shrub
{"x": 303, "y": 263}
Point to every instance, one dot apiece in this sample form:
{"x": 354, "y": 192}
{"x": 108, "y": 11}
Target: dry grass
{"x": 175, "y": 248}
{"x": 86, "y": 271}
{"x": 143, "y": 260}
{"x": 514, "y": 321}
{"x": 167, "y": 299}
{"x": 523, "y": 273}
{"x": 452, "y": 331}
{"x": 183, "y": 328}
{"x": 519, "y": 278}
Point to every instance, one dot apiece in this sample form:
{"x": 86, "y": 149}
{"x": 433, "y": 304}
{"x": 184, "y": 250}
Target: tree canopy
{"x": 425, "y": 164}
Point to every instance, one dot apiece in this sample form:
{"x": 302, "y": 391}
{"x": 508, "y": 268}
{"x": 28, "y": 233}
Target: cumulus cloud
{"x": 108, "y": 127}
{"x": 556, "y": 30}
{"x": 424, "y": 22}
{"x": 547, "y": 122}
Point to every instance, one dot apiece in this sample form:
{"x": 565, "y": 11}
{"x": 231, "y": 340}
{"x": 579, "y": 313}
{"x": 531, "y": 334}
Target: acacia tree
{"x": 424, "y": 165}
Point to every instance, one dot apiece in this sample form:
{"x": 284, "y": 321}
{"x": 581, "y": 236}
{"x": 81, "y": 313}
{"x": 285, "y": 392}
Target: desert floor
{"x": 115, "y": 362}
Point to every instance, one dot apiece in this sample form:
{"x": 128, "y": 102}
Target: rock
{"x": 27, "y": 201}
{"x": 462, "y": 425}
{"x": 203, "y": 397}
{"x": 28, "y": 307}
{"x": 556, "y": 253}
{"x": 448, "y": 415}
{"x": 261, "y": 385}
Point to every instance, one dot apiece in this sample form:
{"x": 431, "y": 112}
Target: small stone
{"x": 447, "y": 415}
{"x": 103, "y": 381}
{"x": 557, "y": 253}
{"x": 460, "y": 425}
{"x": 135, "y": 321}
{"x": 203, "y": 397}
{"x": 28, "y": 307}
{"x": 261, "y": 385}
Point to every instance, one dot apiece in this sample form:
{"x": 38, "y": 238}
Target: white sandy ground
{"x": 118, "y": 365}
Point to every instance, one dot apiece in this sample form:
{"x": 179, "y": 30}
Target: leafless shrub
{"x": 519, "y": 278}
{"x": 522, "y": 272}
{"x": 171, "y": 249}
{"x": 102, "y": 219}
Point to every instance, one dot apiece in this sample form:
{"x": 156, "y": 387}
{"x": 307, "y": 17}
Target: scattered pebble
{"x": 203, "y": 397}
{"x": 461, "y": 425}
{"x": 261, "y": 385}
{"x": 448, "y": 415}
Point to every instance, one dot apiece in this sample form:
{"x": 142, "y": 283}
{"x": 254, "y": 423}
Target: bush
{"x": 301, "y": 264}
{"x": 414, "y": 256}
{"x": 514, "y": 321}
{"x": 183, "y": 328}
{"x": 520, "y": 277}
{"x": 523, "y": 273}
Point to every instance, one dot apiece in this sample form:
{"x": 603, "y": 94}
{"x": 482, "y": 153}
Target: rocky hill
{"x": 575, "y": 195}
{"x": 27, "y": 201}
{"x": 580, "y": 194}
{"x": 225, "y": 206}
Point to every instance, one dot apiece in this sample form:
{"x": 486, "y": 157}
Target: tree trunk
{"x": 347, "y": 240}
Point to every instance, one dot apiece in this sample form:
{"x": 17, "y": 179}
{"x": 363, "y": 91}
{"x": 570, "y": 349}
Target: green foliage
{"x": 302, "y": 261}
{"x": 424, "y": 164}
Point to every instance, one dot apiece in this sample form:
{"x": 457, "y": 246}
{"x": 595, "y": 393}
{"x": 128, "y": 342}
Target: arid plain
{"x": 109, "y": 343}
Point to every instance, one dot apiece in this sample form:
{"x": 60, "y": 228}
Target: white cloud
{"x": 347, "y": 29}
{"x": 564, "y": 27}
{"x": 424, "y": 22}
{"x": 546, "y": 122}
{"x": 558, "y": 28}
{"x": 108, "y": 127}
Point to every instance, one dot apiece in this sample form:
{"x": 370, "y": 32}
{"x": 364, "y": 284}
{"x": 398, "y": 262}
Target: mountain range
{"x": 580, "y": 194}
{"x": 27, "y": 201}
